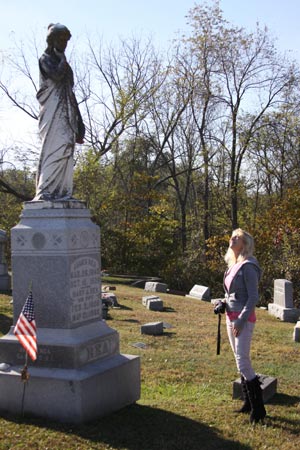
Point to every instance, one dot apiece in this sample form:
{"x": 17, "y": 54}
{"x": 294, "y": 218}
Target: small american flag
{"x": 25, "y": 328}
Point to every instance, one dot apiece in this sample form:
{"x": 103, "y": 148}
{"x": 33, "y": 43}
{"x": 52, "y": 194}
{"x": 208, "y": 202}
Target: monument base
{"x": 73, "y": 396}
{"x": 284, "y": 314}
{"x": 79, "y": 374}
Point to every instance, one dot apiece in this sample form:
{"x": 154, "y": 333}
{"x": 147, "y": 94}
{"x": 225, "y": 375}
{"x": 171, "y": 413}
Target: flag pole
{"x": 24, "y": 378}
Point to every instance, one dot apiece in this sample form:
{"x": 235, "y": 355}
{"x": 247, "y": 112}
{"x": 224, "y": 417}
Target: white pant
{"x": 241, "y": 348}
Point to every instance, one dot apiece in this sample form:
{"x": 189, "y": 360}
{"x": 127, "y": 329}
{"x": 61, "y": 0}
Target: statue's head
{"x": 58, "y": 36}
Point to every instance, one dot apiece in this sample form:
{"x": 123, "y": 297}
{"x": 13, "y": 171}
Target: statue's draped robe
{"x": 58, "y": 127}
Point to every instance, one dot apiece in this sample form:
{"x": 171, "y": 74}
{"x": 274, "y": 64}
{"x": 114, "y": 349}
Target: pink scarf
{"x": 230, "y": 274}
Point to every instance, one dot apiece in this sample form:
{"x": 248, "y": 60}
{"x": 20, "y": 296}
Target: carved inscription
{"x": 45, "y": 354}
{"x": 85, "y": 289}
{"x": 98, "y": 350}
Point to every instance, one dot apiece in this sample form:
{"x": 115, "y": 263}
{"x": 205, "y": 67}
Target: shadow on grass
{"x": 139, "y": 427}
{"x": 130, "y": 320}
{"x": 284, "y": 399}
{"x": 124, "y": 307}
{"x": 169, "y": 309}
{"x": 167, "y": 334}
{"x": 5, "y": 323}
{"x": 292, "y": 426}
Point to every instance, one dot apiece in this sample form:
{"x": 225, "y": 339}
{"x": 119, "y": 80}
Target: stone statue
{"x": 60, "y": 122}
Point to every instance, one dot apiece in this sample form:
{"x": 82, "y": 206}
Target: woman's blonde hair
{"x": 247, "y": 250}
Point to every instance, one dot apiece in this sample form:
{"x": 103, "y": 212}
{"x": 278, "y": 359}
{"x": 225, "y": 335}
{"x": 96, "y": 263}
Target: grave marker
{"x": 199, "y": 292}
{"x": 282, "y": 307}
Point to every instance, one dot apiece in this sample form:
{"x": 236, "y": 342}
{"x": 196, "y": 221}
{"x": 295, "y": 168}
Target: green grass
{"x": 186, "y": 400}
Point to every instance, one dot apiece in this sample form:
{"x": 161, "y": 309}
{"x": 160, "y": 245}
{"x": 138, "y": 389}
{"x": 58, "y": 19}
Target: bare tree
{"x": 165, "y": 126}
{"x": 116, "y": 89}
{"x": 248, "y": 76}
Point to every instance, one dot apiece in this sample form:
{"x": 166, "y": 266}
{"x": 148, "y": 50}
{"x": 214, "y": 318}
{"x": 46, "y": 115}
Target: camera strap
{"x": 219, "y": 334}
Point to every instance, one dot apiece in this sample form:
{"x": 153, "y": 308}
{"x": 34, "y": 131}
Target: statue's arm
{"x": 53, "y": 67}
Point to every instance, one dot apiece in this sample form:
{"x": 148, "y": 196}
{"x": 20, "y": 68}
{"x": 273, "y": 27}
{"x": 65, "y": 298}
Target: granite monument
{"x": 79, "y": 373}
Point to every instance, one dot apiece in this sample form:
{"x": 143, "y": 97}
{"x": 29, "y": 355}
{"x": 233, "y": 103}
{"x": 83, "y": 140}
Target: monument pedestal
{"x": 79, "y": 373}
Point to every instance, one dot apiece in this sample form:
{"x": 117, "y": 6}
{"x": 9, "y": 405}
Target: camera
{"x": 220, "y": 307}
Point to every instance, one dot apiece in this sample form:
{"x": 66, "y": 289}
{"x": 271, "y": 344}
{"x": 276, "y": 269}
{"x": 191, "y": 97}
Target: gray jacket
{"x": 242, "y": 295}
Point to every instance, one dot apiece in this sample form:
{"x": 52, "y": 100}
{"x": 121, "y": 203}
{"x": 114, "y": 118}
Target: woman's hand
{"x": 236, "y": 330}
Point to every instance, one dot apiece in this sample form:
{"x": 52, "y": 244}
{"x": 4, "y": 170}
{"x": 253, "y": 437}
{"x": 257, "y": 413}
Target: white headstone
{"x": 200, "y": 292}
{"x": 148, "y": 298}
{"x": 154, "y": 286}
{"x": 283, "y": 293}
{"x": 282, "y": 307}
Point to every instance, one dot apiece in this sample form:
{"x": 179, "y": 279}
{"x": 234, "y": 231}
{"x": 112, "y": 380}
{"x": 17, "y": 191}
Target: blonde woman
{"x": 241, "y": 288}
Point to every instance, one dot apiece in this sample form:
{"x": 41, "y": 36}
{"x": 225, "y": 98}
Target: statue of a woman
{"x": 60, "y": 122}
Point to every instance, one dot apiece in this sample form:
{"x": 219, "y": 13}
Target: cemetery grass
{"x": 186, "y": 389}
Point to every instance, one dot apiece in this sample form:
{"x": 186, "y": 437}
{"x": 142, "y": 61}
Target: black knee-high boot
{"x": 246, "y": 407}
{"x": 258, "y": 411}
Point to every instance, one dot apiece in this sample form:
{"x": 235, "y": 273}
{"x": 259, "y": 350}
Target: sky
{"x": 160, "y": 19}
